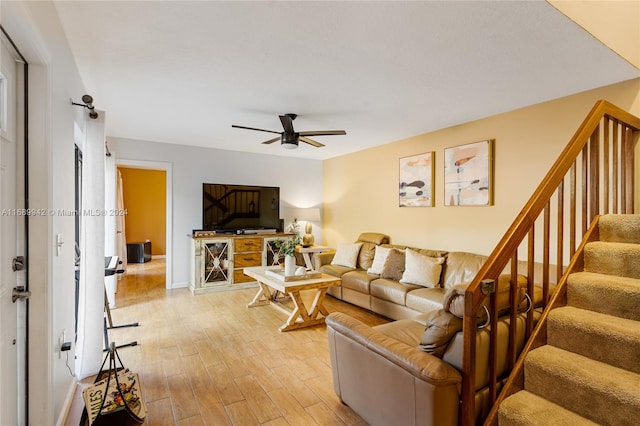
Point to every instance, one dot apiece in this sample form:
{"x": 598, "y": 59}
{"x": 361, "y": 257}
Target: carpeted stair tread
{"x": 599, "y": 392}
{"x": 621, "y": 259}
{"x": 605, "y": 338}
{"x": 607, "y": 294}
{"x": 527, "y": 409}
{"x": 620, "y": 228}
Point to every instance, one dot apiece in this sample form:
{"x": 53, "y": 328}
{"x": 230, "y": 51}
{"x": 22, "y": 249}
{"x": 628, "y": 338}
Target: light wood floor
{"x": 210, "y": 360}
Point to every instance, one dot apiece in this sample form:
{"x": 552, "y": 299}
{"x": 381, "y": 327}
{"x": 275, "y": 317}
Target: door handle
{"x": 19, "y": 293}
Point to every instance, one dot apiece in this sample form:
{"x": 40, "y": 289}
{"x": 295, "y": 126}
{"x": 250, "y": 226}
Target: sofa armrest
{"x": 420, "y": 364}
{"x": 323, "y": 258}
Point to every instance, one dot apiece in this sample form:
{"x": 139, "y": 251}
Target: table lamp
{"x": 308, "y": 215}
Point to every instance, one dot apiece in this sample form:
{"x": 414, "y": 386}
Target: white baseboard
{"x": 180, "y": 285}
{"x": 66, "y": 405}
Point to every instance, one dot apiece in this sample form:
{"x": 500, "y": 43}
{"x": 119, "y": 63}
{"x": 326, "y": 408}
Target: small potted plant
{"x": 287, "y": 247}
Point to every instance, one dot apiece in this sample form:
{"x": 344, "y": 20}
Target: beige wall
{"x": 615, "y": 23}
{"x": 361, "y": 189}
{"x": 145, "y": 201}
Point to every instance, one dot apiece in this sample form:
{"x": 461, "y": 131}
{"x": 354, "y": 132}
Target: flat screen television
{"x": 240, "y": 207}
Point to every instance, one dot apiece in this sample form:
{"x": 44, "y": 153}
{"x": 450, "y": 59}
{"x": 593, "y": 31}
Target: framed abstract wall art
{"x": 416, "y": 180}
{"x": 468, "y": 174}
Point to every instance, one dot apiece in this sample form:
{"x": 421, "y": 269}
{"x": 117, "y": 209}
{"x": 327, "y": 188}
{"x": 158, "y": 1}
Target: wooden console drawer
{"x": 242, "y": 260}
{"x": 240, "y": 277}
{"x": 248, "y": 244}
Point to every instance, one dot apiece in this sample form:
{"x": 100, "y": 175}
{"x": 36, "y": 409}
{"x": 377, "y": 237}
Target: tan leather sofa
{"x": 385, "y": 375}
{"x": 392, "y": 373}
{"x": 389, "y": 297}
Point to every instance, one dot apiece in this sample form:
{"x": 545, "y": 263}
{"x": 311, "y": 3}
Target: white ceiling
{"x": 183, "y": 72}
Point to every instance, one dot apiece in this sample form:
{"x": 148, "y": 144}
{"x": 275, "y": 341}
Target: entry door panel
{"x": 12, "y": 313}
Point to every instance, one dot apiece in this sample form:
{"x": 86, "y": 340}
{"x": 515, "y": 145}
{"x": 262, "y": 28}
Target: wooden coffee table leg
{"x": 300, "y": 312}
{"x": 263, "y": 297}
{"x": 317, "y": 307}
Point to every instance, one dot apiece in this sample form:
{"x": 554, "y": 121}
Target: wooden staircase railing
{"x": 593, "y": 175}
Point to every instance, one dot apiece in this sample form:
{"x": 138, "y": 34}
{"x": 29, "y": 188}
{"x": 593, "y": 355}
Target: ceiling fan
{"x": 290, "y": 138}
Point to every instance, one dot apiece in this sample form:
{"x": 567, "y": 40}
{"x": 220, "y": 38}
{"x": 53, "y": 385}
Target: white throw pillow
{"x": 421, "y": 270}
{"x": 346, "y": 255}
{"x": 378, "y": 260}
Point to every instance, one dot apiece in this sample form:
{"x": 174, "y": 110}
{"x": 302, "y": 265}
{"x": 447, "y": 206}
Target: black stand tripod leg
{"x": 107, "y": 320}
{"x": 106, "y": 336}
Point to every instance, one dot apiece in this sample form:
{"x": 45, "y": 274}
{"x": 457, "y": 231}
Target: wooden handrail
{"x": 583, "y": 151}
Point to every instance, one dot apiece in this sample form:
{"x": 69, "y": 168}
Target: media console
{"x": 217, "y": 262}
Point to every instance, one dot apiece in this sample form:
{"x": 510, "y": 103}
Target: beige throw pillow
{"x": 393, "y": 265}
{"x": 421, "y": 270}
{"x": 346, "y": 255}
{"x": 378, "y": 260}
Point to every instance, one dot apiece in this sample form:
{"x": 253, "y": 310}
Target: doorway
{"x": 146, "y": 178}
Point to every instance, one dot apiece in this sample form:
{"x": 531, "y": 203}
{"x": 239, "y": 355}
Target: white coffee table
{"x": 301, "y": 315}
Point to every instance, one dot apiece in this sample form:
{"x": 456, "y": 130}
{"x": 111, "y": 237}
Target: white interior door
{"x": 12, "y": 312}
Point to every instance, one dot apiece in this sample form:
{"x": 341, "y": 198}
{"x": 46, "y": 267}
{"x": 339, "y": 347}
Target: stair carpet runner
{"x": 589, "y": 371}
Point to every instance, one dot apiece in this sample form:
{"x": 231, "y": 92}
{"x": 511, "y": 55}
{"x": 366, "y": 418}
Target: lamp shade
{"x": 310, "y": 215}
{"x": 307, "y": 215}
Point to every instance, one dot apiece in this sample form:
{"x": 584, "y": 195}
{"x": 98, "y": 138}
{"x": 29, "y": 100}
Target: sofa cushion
{"x": 422, "y": 251}
{"x": 358, "y": 280}
{"x": 421, "y": 270}
{"x": 461, "y": 267}
{"x": 440, "y": 329}
{"x": 391, "y": 290}
{"x": 365, "y": 256}
{"x": 380, "y": 255}
{"x": 373, "y": 237}
{"x": 369, "y": 240}
{"x": 426, "y": 299}
{"x": 407, "y": 331}
{"x": 393, "y": 265}
{"x": 346, "y": 255}
{"x": 335, "y": 270}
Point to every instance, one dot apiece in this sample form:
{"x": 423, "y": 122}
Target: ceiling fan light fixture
{"x": 289, "y": 145}
{"x": 290, "y": 140}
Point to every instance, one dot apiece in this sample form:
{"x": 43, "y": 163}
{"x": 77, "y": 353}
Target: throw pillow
{"x": 378, "y": 260}
{"x": 422, "y": 270}
{"x": 393, "y": 265}
{"x": 346, "y": 255}
{"x": 441, "y": 327}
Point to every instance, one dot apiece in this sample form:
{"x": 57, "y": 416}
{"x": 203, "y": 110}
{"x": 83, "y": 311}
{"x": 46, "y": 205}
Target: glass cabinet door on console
{"x": 215, "y": 258}
{"x": 272, "y": 255}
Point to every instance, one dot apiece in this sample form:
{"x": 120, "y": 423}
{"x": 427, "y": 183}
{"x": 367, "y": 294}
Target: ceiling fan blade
{"x": 253, "y": 128}
{"x": 287, "y": 123}
{"x": 323, "y": 133}
{"x": 311, "y": 142}
{"x": 272, "y": 140}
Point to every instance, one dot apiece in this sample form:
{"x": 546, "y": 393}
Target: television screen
{"x": 235, "y": 207}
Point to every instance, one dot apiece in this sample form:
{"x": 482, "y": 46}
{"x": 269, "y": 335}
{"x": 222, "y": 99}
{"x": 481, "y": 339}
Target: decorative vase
{"x": 289, "y": 265}
{"x": 308, "y": 238}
